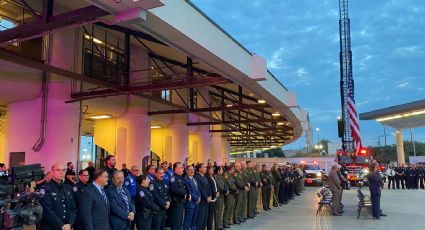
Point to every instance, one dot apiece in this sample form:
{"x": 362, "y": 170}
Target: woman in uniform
{"x": 145, "y": 205}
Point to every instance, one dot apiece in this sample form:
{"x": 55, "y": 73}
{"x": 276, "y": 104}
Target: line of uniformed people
{"x": 288, "y": 183}
{"x": 181, "y": 199}
{"x": 406, "y": 177}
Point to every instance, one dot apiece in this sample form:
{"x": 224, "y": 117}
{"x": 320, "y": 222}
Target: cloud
{"x": 408, "y": 51}
{"x": 276, "y": 59}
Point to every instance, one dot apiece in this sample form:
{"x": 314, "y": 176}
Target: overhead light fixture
{"x": 101, "y": 117}
{"x": 275, "y": 114}
{"x": 229, "y": 105}
{"x": 156, "y": 127}
{"x": 398, "y": 116}
{"x": 261, "y": 101}
{"x": 251, "y": 94}
{"x": 280, "y": 123}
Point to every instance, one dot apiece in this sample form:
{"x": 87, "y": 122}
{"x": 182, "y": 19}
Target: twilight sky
{"x": 299, "y": 39}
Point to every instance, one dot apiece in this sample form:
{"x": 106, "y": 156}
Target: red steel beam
{"x": 17, "y": 59}
{"x": 279, "y": 130}
{"x": 212, "y": 109}
{"x": 237, "y": 121}
{"x": 38, "y": 28}
{"x": 180, "y": 84}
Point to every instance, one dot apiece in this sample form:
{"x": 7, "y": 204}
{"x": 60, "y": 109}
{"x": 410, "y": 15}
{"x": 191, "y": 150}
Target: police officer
{"x": 130, "y": 181}
{"x": 421, "y": 177}
{"x": 266, "y": 189}
{"x": 399, "y": 177}
{"x": 160, "y": 193}
{"x": 178, "y": 197}
{"x": 150, "y": 172}
{"x": 83, "y": 182}
{"x": 59, "y": 211}
{"x": 229, "y": 179}
{"x": 223, "y": 192}
{"x": 70, "y": 174}
{"x": 110, "y": 167}
{"x": 146, "y": 207}
{"x": 168, "y": 173}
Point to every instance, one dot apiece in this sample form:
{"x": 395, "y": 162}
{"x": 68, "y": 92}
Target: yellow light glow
{"x": 275, "y": 114}
{"x": 95, "y": 40}
{"x": 261, "y": 101}
{"x": 156, "y": 127}
{"x": 280, "y": 123}
{"x": 398, "y": 116}
{"x": 101, "y": 117}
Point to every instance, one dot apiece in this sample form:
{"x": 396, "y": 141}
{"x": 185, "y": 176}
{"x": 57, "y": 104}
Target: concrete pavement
{"x": 403, "y": 207}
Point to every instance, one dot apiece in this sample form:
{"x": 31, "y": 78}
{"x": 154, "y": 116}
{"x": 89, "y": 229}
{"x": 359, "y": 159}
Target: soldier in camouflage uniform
{"x": 229, "y": 179}
{"x": 266, "y": 189}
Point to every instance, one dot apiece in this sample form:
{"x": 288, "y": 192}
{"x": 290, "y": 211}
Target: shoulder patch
{"x": 151, "y": 187}
{"x": 74, "y": 188}
{"x": 126, "y": 183}
{"x": 141, "y": 194}
{"x": 172, "y": 179}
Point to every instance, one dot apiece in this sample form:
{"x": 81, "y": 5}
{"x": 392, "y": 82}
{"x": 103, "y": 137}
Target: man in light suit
{"x": 335, "y": 186}
{"x": 122, "y": 207}
{"x": 191, "y": 205}
{"x": 94, "y": 203}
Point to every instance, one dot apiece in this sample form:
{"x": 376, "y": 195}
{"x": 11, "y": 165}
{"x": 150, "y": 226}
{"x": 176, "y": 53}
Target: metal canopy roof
{"x": 409, "y": 115}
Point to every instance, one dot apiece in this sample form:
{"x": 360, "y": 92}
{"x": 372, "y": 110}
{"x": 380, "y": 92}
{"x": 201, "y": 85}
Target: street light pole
{"x": 318, "y": 138}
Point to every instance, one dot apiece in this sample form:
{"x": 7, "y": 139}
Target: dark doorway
{"x": 15, "y": 158}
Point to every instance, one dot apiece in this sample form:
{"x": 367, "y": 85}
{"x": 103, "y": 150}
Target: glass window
{"x": 6, "y": 24}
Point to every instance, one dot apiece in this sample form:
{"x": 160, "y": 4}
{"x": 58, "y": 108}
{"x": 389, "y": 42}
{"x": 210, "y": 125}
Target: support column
{"x": 204, "y": 145}
{"x": 133, "y": 137}
{"x": 400, "y": 147}
{"x": 177, "y": 139}
{"x": 23, "y": 119}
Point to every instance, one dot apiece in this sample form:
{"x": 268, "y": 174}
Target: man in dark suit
{"x": 204, "y": 189}
{"x": 94, "y": 204}
{"x": 191, "y": 205}
{"x": 122, "y": 207}
{"x": 375, "y": 185}
{"x": 58, "y": 203}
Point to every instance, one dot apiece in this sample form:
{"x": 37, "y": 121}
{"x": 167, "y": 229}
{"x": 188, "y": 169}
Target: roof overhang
{"x": 182, "y": 26}
{"x": 409, "y": 115}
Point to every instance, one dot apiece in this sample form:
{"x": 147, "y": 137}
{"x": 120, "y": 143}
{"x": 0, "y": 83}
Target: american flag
{"x": 353, "y": 118}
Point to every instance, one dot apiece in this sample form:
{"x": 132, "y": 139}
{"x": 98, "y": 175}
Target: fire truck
{"x": 354, "y": 166}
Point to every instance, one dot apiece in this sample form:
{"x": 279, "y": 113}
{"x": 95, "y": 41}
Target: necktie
{"x": 196, "y": 185}
{"x": 124, "y": 197}
{"x": 104, "y": 195}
